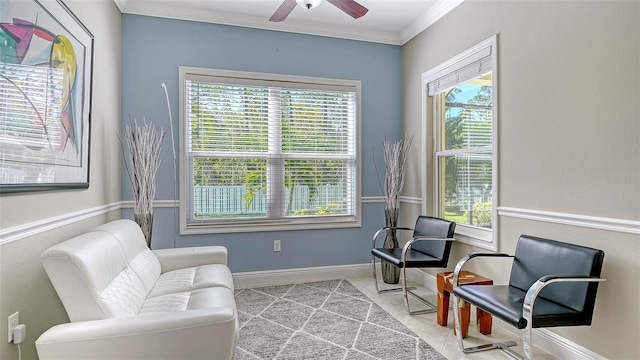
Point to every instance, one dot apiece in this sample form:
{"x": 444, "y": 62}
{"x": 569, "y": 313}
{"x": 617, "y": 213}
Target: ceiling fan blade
{"x": 351, "y": 7}
{"x": 283, "y": 11}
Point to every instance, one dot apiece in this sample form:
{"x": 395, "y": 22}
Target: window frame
{"x": 483, "y": 238}
{"x": 278, "y": 224}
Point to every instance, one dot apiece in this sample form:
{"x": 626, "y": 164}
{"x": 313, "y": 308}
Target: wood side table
{"x": 445, "y": 288}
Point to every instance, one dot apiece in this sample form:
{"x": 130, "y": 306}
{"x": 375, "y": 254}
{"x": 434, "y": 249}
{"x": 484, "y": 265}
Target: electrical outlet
{"x": 13, "y": 321}
{"x": 276, "y": 245}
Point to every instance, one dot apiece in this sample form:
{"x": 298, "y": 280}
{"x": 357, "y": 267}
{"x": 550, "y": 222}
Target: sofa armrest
{"x": 192, "y": 334}
{"x": 180, "y": 258}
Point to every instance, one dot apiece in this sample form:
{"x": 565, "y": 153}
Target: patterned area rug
{"x": 321, "y": 320}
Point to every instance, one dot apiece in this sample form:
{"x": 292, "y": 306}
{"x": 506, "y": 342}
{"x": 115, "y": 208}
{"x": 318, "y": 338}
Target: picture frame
{"x": 46, "y": 64}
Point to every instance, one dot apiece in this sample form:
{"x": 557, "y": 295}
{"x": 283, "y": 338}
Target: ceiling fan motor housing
{"x": 351, "y": 7}
{"x": 308, "y": 4}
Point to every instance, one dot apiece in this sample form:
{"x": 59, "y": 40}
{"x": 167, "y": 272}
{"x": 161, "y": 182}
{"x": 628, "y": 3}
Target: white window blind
{"x": 476, "y": 65}
{"x": 269, "y": 151}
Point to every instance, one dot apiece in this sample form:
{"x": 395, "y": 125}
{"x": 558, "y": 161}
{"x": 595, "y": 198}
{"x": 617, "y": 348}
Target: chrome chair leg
{"x": 504, "y": 346}
{"x": 409, "y": 291}
{"x": 404, "y": 286}
{"x": 431, "y": 307}
{"x": 375, "y": 280}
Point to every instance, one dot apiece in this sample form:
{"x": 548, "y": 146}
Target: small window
{"x": 273, "y": 152}
{"x": 462, "y": 98}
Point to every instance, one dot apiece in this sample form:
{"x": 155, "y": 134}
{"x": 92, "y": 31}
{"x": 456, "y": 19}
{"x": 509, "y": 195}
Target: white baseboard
{"x": 299, "y": 275}
{"x": 552, "y": 343}
{"x": 423, "y": 278}
{"x": 561, "y": 347}
{"x": 543, "y": 339}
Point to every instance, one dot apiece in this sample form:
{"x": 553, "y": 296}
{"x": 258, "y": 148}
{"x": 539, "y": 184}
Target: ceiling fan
{"x": 350, "y": 7}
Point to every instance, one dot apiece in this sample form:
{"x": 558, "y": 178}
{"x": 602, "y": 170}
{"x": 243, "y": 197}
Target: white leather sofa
{"x": 128, "y": 302}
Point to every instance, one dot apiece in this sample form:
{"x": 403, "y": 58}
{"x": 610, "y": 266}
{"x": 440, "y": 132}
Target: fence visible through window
{"x": 225, "y": 201}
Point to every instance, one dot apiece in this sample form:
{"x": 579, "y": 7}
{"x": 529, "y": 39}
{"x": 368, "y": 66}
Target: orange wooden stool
{"x": 445, "y": 288}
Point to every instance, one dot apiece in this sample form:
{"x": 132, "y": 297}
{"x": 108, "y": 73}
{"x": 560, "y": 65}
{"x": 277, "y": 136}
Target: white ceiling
{"x": 388, "y": 21}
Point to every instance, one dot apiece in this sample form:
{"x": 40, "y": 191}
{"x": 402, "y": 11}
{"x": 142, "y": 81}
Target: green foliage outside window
{"x": 481, "y": 215}
{"x": 466, "y": 169}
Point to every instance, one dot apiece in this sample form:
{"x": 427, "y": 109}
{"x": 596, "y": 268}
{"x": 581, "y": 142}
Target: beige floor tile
{"x": 441, "y": 338}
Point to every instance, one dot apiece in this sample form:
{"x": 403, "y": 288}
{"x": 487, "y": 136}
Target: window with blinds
{"x": 272, "y": 151}
{"x": 463, "y": 99}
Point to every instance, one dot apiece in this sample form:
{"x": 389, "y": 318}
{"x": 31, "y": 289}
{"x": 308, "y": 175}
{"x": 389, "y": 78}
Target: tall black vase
{"x": 145, "y": 221}
{"x": 390, "y": 273}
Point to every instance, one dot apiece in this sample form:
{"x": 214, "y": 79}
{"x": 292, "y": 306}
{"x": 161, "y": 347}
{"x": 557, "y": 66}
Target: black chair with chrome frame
{"x": 551, "y": 284}
{"x": 429, "y": 247}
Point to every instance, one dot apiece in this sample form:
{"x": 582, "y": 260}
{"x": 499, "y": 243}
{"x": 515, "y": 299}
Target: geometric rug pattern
{"x": 329, "y": 320}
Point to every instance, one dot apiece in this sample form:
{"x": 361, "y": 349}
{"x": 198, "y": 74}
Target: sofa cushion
{"x": 117, "y": 271}
{"x": 194, "y": 278}
{"x": 80, "y": 269}
{"x": 189, "y": 300}
{"x": 147, "y": 267}
{"x": 134, "y": 247}
{"x": 214, "y": 297}
{"x": 128, "y": 235}
{"x": 124, "y": 296}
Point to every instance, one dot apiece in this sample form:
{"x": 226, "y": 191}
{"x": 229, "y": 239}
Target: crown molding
{"x": 158, "y": 9}
{"x": 155, "y": 9}
{"x": 121, "y": 4}
{"x": 439, "y": 9}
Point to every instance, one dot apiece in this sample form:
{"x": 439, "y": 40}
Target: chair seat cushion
{"x": 193, "y": 278}
{"x": 506, "y": 302}
{"x": 414, "y": 258}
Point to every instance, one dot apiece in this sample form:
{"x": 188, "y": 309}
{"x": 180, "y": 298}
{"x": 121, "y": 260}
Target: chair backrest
{"x": 536, "y": 257}
{"x": 434, "y": 227}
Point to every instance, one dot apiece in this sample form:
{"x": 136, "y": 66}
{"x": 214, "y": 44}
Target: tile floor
{"x": 441, "y": 338}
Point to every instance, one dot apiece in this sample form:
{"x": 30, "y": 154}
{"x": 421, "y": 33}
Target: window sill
{"x": 474, "y": 236}
{"x": 236, "y": 227}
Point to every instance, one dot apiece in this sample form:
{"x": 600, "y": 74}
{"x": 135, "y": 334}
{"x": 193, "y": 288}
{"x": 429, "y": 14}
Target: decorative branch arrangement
{"x": 144, "y": 143}
{"x": 395, "y": 158}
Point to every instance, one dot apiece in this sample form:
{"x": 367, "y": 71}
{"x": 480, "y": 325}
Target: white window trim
{"x": 472, "y": 235}
{"x": 261, "y": 225}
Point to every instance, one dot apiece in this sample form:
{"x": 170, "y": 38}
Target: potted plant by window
{"x": 395, "y": 158}
{"x": 144, "y": 143}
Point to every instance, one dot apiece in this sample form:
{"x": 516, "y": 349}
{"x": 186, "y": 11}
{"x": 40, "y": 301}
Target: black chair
{"x": 551, "y": 284}
{"x": 428, "y": 248}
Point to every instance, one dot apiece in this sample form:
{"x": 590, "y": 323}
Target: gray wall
{"x": 152, "y": 51}
{"x": 569, "y": 136}
{"x": 24, "y": 286}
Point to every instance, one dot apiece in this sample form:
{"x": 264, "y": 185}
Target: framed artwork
{"x": 46, "y": 59}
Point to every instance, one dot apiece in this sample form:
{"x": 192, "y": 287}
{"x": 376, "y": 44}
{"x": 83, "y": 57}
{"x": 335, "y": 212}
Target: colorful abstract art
{"x": 45, "y": 96}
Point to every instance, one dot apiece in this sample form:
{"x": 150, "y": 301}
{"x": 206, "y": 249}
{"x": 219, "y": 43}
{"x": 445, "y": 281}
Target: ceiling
{"x": 388, "y": 21}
